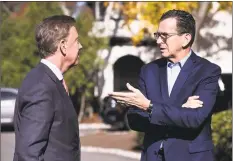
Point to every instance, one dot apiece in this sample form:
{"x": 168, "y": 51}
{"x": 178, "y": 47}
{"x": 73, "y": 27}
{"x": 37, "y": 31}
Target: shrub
{"x": 222, "y": 135}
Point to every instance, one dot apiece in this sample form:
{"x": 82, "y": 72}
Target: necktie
{"x": 65, "y": 86}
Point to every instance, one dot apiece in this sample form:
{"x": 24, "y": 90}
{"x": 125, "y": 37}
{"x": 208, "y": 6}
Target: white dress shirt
{"x": 54, "y": 68}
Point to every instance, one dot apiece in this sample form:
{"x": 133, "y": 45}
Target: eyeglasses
{"x": 164, "y": 36}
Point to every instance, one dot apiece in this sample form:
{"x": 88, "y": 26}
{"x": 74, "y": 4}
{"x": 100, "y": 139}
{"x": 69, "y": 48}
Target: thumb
{"x": 131, "y": 88}
{"x": 193, "y": 97}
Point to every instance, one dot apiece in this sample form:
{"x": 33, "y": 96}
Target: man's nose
{"x": 80, "y": 46}
{"x": 159, "y": 40}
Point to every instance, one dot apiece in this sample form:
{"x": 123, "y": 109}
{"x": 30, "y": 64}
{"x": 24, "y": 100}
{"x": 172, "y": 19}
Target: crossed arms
{"x": 170, "y": 114}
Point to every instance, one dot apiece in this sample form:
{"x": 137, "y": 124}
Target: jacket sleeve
{"x": 35, "y": 122}
{"x": 139, "y": 119}
{"x": 165, "y": 114}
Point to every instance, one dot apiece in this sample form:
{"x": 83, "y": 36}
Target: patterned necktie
{"x": 65, "y": 86}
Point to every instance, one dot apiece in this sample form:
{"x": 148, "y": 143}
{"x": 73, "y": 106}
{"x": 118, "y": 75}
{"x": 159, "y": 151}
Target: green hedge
{"x": 221, "y": 133}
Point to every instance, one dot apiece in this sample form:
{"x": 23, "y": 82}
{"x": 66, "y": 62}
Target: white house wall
{"x": 144, "y": 53}
{"x": 222, "y": 30}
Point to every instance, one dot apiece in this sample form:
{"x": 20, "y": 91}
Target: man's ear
{"x": 62, "y": 47}
{"x": 187, "y": 39}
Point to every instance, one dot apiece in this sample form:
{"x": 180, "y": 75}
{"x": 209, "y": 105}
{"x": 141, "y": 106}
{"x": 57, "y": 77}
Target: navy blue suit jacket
{"x": 185, "y": 132}
{"x": 45, "y": 121}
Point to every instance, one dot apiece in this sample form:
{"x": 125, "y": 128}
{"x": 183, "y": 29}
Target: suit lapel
{"x": 186, "y": 70}
{"x": 70, "y": 107}
{"x": 48, "y": 72}
{"x": 163, "y": 79}
{"x": 59, "y": 85}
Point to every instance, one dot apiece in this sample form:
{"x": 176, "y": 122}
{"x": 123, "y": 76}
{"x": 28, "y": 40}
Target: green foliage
{"x": 18, "y": 49}
{"x": 149, "y": 13}
{"x": 19, "y": 52}
{"x": 222, "y": 135}
{"x": 82, "y": 77}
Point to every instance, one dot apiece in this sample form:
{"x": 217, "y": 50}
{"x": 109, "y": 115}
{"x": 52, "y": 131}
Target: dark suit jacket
{"x": 186, "y": 132}
{"x": 45, "y": 121}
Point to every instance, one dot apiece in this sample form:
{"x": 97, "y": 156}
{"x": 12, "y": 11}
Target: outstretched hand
{"x": 134, "y": 97}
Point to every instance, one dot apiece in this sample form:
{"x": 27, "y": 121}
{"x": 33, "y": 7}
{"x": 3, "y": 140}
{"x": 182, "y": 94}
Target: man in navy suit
{"x": 176, "y": 95}
{"x": 45, "y": 121}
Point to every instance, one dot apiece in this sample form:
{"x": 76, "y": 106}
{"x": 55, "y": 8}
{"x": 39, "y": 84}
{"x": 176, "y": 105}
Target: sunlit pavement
{"x": 8, "y": 142}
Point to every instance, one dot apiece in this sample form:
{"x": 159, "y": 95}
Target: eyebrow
{"x": 163, "y": 32}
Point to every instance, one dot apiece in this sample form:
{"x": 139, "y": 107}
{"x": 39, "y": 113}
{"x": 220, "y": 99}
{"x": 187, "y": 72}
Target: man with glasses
{"x": 176, "y": 95}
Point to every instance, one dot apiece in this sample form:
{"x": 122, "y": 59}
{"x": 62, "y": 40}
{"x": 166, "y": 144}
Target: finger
{"x": 122, "y": 103}
{"x": 195, "y": 106}
{"x": 135, "y": 104}
{"x": 190, "y": 105}
{"x": 131, "y": 88}
{"x": 200, "y": 102}
{"x": 193, "y": 97}
{"x": 125, "y": 103}
{"x": 185, "y": 105}
{"x": 119, "y": 98}
{"x": 196, "y": 102}
{"x": 122, "y": 94}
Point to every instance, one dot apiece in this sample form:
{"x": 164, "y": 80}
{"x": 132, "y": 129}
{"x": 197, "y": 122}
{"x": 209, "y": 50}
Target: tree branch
{"x": 64, "y": 9}
{"x": 201, "y": 15}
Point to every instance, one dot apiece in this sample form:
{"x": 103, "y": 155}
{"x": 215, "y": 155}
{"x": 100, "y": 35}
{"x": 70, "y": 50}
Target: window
{"x": 7, "y": 95}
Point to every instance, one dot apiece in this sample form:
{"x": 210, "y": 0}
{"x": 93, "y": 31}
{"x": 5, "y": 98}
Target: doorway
{"x": 126, "y": 69}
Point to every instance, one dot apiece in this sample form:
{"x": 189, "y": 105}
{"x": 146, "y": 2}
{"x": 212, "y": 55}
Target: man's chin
{"x": 165, "y": 54}
{"x": 74, "y": 64}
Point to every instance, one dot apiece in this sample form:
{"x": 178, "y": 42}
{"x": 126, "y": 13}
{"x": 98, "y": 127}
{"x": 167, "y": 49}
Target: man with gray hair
{"x": 45, "y": 121}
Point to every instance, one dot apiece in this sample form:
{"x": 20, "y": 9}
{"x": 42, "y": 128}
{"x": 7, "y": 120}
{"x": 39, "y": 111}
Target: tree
{"x": 19, "y": 52}
{"x": 148, "y": 13}
{"x": 83, "y": 78}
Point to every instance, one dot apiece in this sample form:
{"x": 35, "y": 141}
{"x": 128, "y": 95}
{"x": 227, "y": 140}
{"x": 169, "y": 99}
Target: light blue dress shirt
{"x": 173, "y": 70}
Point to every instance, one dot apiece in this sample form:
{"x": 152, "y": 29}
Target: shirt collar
{"x": 54, "y": 68}
{"x": 181, "y": 62}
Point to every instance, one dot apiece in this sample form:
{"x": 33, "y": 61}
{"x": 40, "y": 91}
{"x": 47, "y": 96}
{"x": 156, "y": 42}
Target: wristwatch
{"x": 149, "y": 109}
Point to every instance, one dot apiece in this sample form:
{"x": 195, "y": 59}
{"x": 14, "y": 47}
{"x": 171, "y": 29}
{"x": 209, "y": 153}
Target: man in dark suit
{"x": 45, "y": 121}
{"x": 176, "y": 95}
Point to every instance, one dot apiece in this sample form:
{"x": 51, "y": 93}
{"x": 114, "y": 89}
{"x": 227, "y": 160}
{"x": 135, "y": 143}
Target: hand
{"x": 135, "y": 97}
{"x": 193, "y": 102}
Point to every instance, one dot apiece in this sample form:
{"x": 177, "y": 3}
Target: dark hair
{"x": 51, "y": 31}
{"x": 185, "y": 22}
